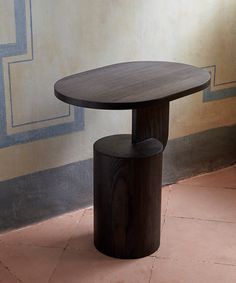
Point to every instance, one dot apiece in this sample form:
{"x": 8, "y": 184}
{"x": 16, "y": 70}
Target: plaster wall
{"x": 42, "y": 41}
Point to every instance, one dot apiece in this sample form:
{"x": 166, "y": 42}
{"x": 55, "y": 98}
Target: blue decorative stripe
{"x": 16, "y": 49}
{"x": 44, "y": 133}
{"x": 210, "y": 95}
{"x": 22, "y": 39}
{"x": 12, "y": 49}
{"x": 218, "y": 94}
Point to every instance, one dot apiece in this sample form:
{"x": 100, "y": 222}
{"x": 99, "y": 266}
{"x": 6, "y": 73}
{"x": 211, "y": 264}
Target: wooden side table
{"x": 128, "y": 168}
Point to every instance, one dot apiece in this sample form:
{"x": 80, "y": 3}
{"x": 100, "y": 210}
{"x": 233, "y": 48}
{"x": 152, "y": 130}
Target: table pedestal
{"x": 127, "y": 186}
{"x": 127, "y": 196}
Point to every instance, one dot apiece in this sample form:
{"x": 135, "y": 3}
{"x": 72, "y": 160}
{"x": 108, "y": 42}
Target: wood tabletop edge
{"x": 95, "y": 103}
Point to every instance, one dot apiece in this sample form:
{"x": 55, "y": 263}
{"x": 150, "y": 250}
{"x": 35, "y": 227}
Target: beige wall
{"x": 70, "y": 36}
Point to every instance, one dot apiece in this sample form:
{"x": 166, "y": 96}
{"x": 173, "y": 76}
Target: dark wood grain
{"x": 151, "y": 122}
{"x": 127, "y": 196}
{"x": 128, "y": 169}
{"x": 131, "y": 85}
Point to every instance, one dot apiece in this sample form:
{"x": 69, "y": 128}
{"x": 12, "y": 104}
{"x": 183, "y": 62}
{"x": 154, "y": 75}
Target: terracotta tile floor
{"x": 198, "y": 242}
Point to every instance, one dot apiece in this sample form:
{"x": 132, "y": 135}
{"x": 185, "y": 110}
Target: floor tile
{"x": 6, "y": 276}
{"x": 93, "y": 267}
{"x": 82, "y": 236}
{"x": 198, "y": 240}
{"x": 30, "y": 264}
{"x": 222, "y": 178}
{"x": 202, "y": 202}
{"x": 51, "y": 233}
{"x": 169, "y": 271}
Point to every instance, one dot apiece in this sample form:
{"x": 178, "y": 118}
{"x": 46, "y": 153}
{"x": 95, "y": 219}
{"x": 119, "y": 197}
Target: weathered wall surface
{"x": 42, "y": 41}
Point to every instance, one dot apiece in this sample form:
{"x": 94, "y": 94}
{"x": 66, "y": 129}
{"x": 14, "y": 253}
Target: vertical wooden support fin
{"x": 151, "y": 122}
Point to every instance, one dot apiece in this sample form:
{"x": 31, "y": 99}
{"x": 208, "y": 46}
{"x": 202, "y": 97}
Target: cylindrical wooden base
{"x": 127, "y": 196}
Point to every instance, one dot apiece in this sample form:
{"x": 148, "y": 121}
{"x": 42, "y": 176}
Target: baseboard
{"x": 38, "y": 196}
{"x": 199, "y": 153}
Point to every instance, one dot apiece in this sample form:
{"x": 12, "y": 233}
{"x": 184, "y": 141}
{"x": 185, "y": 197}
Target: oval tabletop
{"x": 131, "y": 85}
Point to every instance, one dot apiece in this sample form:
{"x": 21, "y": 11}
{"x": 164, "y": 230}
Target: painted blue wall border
{"x": 211, "y": 95}
{"x": 20, "y": 48}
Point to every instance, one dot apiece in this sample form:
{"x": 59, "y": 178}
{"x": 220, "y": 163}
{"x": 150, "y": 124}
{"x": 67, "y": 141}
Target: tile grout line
{"x": 202, "y": 186}
{"x": 29, "y": 245}
{"x": 33, "y": 244}
{"x": 79, "y": 221}
{"x": 201, "y": 219}
{"x": 28, "y": 226}
{"x": 203, "y": 261}
{"x": 10, "y": 272}
{"x": 64, "y": 249}
{"x": 206, "y": 174}
{"x": 151, "y": 271}
{"x": 225, "y": 264}
{"x": 167, "y": 205}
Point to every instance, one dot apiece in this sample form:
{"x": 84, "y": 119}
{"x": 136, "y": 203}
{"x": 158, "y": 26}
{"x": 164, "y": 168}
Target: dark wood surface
{"x": 131, "y": 85}
{"x": 120, "y": 146}
{"x": 128, "y": 169}
{"x": 151, "y": 122}
{"x": 127, "y": 196}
